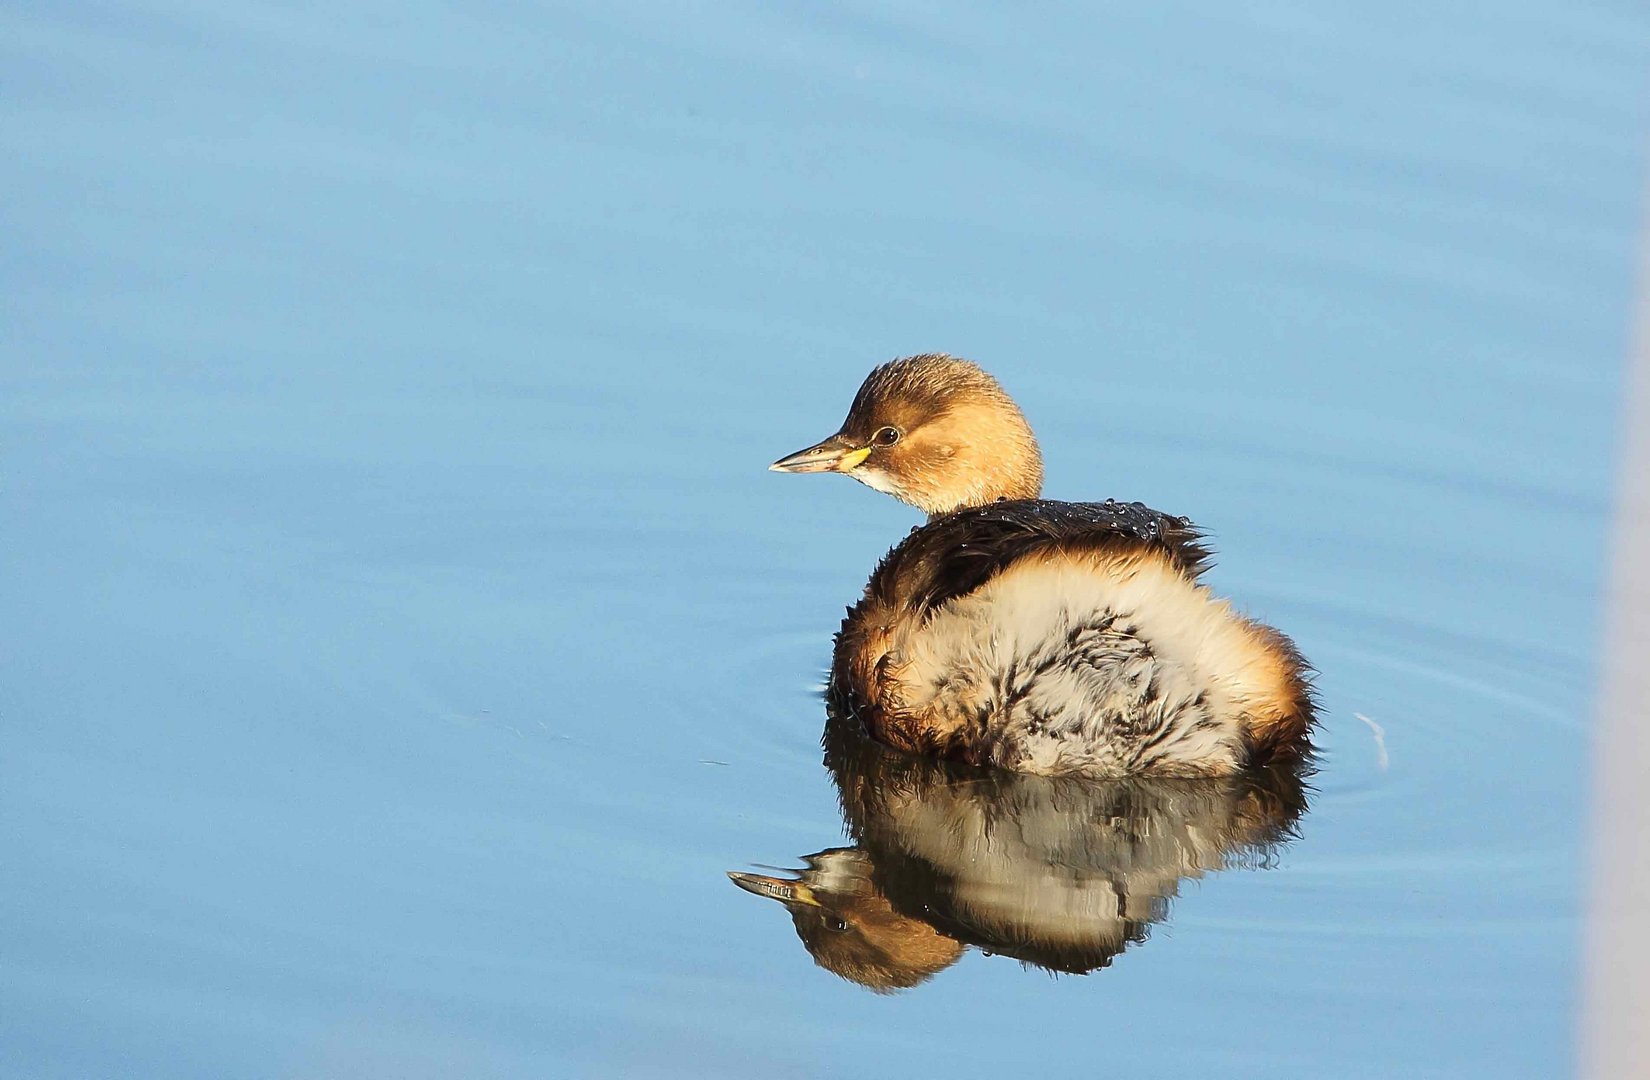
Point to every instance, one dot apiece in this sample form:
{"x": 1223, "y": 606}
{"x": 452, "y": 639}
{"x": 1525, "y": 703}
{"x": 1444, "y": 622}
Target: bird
{"x": 1032, "y": 634}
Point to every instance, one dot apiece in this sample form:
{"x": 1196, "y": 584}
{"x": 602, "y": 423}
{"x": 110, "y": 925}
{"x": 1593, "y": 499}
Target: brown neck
{"x": 983, "y": 493}
{"x": 999, "y": 461}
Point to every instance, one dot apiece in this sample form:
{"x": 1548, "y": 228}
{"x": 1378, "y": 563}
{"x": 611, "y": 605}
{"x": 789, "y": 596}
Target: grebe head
{"x": 933, "y": 431}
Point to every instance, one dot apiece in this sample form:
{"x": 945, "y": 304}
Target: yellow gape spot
{"x": 852, "y": 458}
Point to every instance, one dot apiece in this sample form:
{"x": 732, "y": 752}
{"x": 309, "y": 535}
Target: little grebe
{"x": 1034, "y": 635}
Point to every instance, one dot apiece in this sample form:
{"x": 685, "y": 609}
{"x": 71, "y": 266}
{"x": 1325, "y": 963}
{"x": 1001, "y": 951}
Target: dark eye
{"x": 836, "y": 924}
{"x": 887, "y": 436}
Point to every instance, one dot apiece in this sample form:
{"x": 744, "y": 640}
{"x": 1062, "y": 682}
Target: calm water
{"x": 403, "y": 636}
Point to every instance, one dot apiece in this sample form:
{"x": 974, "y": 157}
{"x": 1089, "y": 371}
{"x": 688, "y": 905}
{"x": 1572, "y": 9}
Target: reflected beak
{"x": 836, "y": 454}
{"x": 781, "y": 889}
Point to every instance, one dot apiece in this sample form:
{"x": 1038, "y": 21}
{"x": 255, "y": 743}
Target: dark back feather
{"x": 956, "y": 553}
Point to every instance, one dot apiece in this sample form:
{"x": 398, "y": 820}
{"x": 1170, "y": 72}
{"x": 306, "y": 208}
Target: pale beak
{"x": 836, "y": 454}
{"x": 785, "y": 891}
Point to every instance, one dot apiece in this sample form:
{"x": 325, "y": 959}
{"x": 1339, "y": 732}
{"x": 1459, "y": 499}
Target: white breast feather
{"x": 1198, "y": 646}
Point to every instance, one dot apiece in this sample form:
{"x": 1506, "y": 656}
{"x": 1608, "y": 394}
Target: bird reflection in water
{"x": 1062, "y": 873}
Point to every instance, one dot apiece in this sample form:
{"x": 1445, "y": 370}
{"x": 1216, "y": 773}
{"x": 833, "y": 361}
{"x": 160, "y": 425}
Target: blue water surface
{"x": 402, "y": 635}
